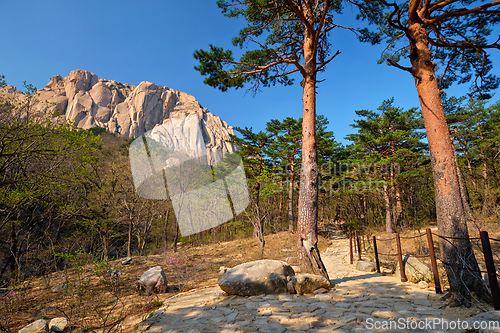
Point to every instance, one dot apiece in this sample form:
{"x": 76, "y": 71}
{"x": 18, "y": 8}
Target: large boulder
{"x": 305, "y": 283}
{"x": 152, "y": 280}
{"x": 256, "y": 278}
{"x": 39, "y": 326}
{"x": 415, "y": 270}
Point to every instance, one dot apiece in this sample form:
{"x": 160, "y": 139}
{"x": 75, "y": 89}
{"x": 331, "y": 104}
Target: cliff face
{"x": 130, "y": 111}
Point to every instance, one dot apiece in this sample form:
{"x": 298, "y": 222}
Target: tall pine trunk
{"x": 307, "y": 236}
{"x": 461, "y": 265}
{"x": 290, "y": 200}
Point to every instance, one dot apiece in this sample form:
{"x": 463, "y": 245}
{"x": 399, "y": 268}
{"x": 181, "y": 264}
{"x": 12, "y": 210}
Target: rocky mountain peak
{"x": 88, "y": 101}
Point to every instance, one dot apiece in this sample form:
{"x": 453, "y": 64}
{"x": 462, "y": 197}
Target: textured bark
{"x": 307, "y": 238}
{"x": 280, "y": 203}
{"x": 388, "y": 219}
{"x": 257, "y": 202}
{"x": 461, "y": 265}
{"x": 398, "y": 216}
{"x": 176, "y": 237}
{"x": 291, "y": 223}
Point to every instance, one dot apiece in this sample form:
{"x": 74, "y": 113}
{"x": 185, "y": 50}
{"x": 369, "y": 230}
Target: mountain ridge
{"x": 127, "y": 110}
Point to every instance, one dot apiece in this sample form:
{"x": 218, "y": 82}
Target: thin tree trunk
{"x": 257, "y": 202}
{"x": 105, "y": 246}
{"x": 280, "y": 215}
{"x": 290, "y": 200}
{"x": 165, "y": 229}
{"x": 461, "y": 265}
{"x": 176, "y": 238}
{"x": 399, "y": 206}
{"x": 362, "y": 199}
{"x": 388, "y": 219}
{"x": 307, "y": 237}
{"x": 129, "y": 243}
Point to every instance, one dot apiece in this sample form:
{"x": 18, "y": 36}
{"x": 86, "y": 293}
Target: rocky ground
{"x": 359, "y": 302}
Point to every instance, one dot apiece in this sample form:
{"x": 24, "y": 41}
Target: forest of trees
{"x": 63, "y": 190}
{"x": 443, "y": 41}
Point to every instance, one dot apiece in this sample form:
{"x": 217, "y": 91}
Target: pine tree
{"x": 285, "y": 149}
{"x": 385, "y": 141}
{"x": 291, "y": 37}
{"x": 445, "y": 42}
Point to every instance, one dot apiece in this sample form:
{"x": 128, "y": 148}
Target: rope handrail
{"x": 387, "y": 239}
{"x": 449, "y": 237}
{"x": 411, "y": 237}
{"x": 388, "y": 255}
{"x": 494, "y": 239}
{"x": 420, "y": 256}
{"x": 497, "y": 274}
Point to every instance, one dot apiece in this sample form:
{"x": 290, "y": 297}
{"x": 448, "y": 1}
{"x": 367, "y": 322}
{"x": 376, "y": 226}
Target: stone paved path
{"x": 359, "y": 302}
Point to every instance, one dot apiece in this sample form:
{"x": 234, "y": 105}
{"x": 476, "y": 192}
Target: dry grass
{"x": 196, "y": 267}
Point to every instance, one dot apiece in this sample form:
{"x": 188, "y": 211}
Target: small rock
{"x": 153, "y": 279}
{"x": 115, "y": 274}
{"x": 415, "y": 270}
{"x": 320, "y": 291}
{"x": 39, "y": 326}
{"x": 423, "y": 285}
{"x": 489, "y": 320}
{"x": 304, "y": 283}
{"x": 58, "y": 324}
{"x": 127, "y": 261}
{"x": 60, "y": 288}
{"x": 366, "y": 266}
{"x": 486, "y": 279}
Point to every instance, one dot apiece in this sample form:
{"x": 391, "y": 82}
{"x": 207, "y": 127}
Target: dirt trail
{"x": 359, "y": 302}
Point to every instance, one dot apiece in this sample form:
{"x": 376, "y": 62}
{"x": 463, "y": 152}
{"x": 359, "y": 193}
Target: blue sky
{"x": 146, "y": 40}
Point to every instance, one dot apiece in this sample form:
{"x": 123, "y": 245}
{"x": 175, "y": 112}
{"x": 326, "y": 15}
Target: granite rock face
{"x": 89, "y": 101}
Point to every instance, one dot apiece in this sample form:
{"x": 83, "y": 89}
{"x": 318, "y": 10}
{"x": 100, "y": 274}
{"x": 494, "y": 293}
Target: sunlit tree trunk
{"x": 462, "y": 268}
{"x": 307, "y": 237}
{"x": 290, "y": 199}
{"x": 387, "y": 201}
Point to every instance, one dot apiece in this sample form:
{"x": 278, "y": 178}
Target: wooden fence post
{"x": 359, "y": 248}
{"x": 355, "y": 243}
{"x": 350, "y": 247}
{"x": 400, "y": 259}
{"x": 376, "y": 253}
{"x": 432, "y": 255}
{"x": 490, "y": 267}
